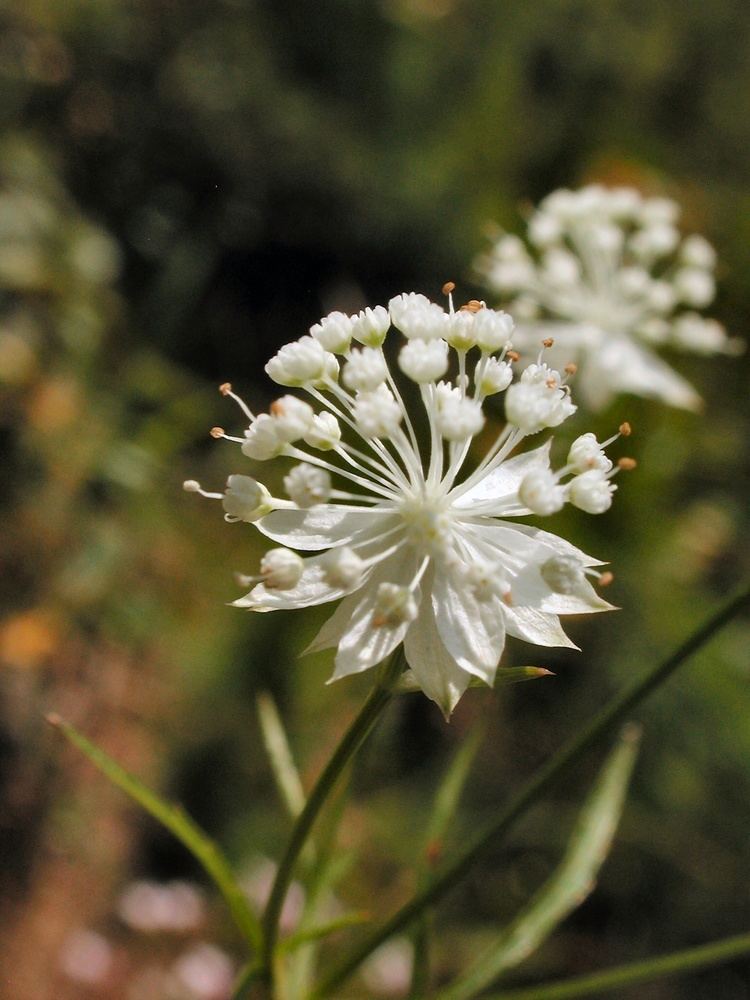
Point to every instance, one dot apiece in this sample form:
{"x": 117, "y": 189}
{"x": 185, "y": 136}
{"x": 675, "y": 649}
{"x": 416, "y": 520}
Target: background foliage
{"x": 184, "y": 187}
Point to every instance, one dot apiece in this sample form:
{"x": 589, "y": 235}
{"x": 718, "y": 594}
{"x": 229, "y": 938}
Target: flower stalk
{"x": 350, "y": 743}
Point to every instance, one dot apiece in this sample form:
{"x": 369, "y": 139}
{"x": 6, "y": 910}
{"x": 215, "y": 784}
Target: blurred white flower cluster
{"x": 417, "y": 541}
{"x": 606, "y": 273}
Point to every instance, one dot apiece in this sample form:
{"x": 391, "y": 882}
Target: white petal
{"x": 531, "y": 590}
{"x": 521, "y": 550}
{"x": 434, "y": 669}
{"x": 502, "y": 484}
{"x": 335, "y": 626}
{"x": 312, "y": 589}
{"x": 556, "y": 545}
{"x": 535, "y": 626}
{"x": 324, "y": 526}
{"x": 570, "y": 340}
{"x": 363, "y": 644}
{"x": 471, "y": 630}
{"x": 619, "y": 365}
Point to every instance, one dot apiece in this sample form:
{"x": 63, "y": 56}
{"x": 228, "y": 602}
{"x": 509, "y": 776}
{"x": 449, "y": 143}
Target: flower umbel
{"x": 608, "y": 275}
{"x": 419, "y": 548}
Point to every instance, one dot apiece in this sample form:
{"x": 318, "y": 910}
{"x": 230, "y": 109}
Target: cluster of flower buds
{"x": 601, "y": 264}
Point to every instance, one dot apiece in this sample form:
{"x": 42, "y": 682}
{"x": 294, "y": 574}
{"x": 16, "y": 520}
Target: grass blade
{"x": 174, "y": 818}
{"x": 571, "y": 882}
{"x": 280, "y": 755}
{"x": 593, "y": 984}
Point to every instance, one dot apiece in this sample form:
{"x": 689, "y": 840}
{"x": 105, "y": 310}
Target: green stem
{"x": 594, "y": 983}
{"x": 350, "y": 743}
{"x": 613, "y": 713}
{"x": 245, "y": 979}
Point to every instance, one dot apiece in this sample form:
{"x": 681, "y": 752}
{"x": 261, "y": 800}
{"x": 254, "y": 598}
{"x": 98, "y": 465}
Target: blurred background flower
{"x": 185, "y": 187}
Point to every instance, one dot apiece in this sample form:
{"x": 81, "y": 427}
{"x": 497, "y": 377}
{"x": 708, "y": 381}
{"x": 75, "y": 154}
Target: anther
{"x": 191, "y": 486}
{"x": 513, "y": 355}
{"x": 449, "y": 287}
{"x": 626, "y": 464}
{"x": 225, "y": 388}
{"x": 217, "y": 432}
{"x": 548, "y": 342}
{"x": 473, "y": 306}
{"x": 625, "y": 429}
{"x": 551, "y": 383}
{"x": 606, "y": 578}
{"x": 571, "y": 368}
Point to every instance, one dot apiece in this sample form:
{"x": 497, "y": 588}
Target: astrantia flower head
{"x": 418, "y": 544}
{"x": 607, "y": 274}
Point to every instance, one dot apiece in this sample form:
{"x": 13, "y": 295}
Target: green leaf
{"x": 247, "y": 976}
{"x": 571, "y": 882}
{"x": 280, "y": 756}
{"x": 677, "y": 963}
{"x": 173, "y": 817}
{"x": 323, "y": 930}
{"x": 449, "y": 792}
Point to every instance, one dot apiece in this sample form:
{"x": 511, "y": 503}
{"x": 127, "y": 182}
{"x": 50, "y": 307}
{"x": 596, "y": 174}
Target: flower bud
{"x": 281, "y": 569}
{"x": 293, "y": 418}
{"x": 586, "y": 453}
{"x": 365, "y": 370}
{"x": 343, "y": 567}
{"x": 300, "y": 363}
{"x": 333, "y": 332}
{"x": 308, "y": 485}
{"x": 540, "y": 492}
{"x": 591, "y": 491}
{"x": 563, "y": 574}
{"x": 324, "y": 432}
{"x": 424, "y": 360}
{"x": 376, "y": 414}
{"x": 394, "y": 605}
{"x": 262, "y": 439}
{"x": 370, "y": 326}
{"x": 245, "y": 499}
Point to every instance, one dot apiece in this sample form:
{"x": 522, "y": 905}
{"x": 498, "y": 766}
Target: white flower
{"x": 281, "y": 569}
{"x": 420, "y": 544}
{"x": 293, "y": 417}
{"x": 365, "y": 370}
{"x": 424, "y": 360}
{"x": 334, "y": 332}
{"x": 245, "y": 499}
{"x": 324, "y": 432}
{"x": 605, "y": 274}
{"x": 370, "y": 326}
{"x": 307, "y": 485}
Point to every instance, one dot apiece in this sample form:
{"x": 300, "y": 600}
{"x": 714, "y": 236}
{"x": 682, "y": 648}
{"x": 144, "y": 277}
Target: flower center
{"x": 428, "y": 522}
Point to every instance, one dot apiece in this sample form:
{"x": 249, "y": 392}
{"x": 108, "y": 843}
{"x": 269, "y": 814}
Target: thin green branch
{"x": 610, "y": 716}
{"x": 345, "y": 751}
{"x": 594, "y": 983}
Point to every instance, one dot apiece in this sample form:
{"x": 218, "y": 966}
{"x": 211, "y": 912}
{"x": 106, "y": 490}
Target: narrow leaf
{"x": 571, "y": 882}
{"x": 173, "y": 817}
{"x": 449, "y": 793}
{"x": 676, "y": 963}
{"x": 247, "y": 976}
{"x": 323, "y": 930}
{"x": 279, "y": 754}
